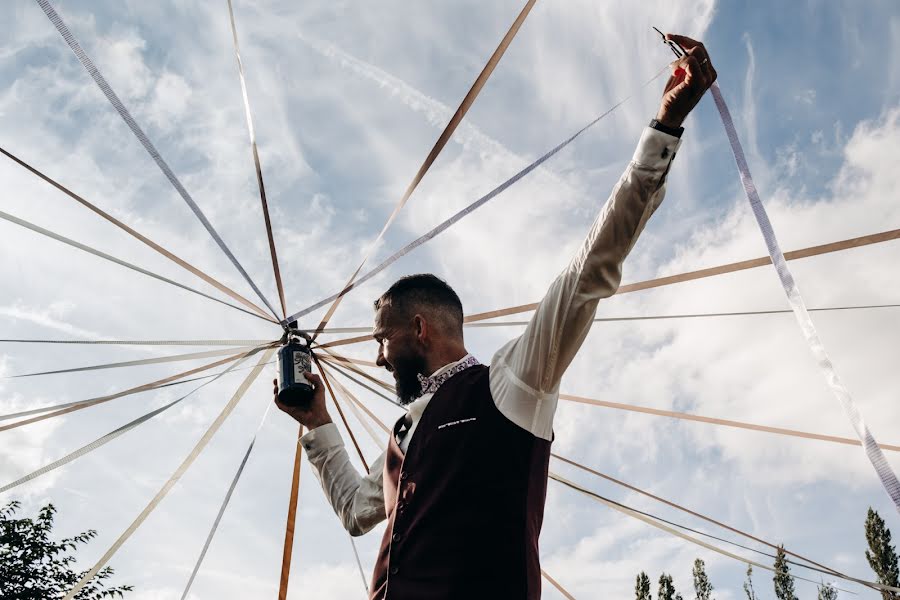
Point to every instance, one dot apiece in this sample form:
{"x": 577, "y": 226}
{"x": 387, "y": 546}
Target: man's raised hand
{"x": 692, "y": 75}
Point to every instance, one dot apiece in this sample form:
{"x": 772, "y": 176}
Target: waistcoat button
{"x": 394, "y": 570}
{"x": 404, "y": 475}
{"x": 396, "y": 537}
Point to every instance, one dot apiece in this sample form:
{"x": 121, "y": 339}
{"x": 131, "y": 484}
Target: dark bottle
{"x": 293, "y": 360}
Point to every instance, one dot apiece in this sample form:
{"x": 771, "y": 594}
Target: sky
{"x": 348, "y": 97}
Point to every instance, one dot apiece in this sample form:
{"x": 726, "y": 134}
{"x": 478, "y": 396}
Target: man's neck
{"x": 445, "y": 358}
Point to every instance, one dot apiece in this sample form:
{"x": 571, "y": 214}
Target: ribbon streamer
{"x": 341, "y": 412}
{"x": 435, "y": 151}
{"x": 627, "y": 407}
{"x": 469, "y": 209}
{"x": 654, "y": 522}
{"x": 62, "y": 409}
{"x": 113, "y": 259}
{"x": 557, "y": 585}
{"x": 145, "y": 342}
{"x": 378, "y": 441}
{"x": 138, "y": 236}
{"x": 745, "y": 313}
{"x": 104, "y": 439}
{"x": 137, "y": 363}
{"x": 288, "y": 550}
{"x": 256, "y": 164}
{"x": 686, "y": 510}
{"x": 179, "y": 472}
{"x": 144, "y": 140}
{"x": 858, "y": 242}
{"x": 724, "y": 422}
{"x": 225, "y": 501}
{"x": 873, "y": 451}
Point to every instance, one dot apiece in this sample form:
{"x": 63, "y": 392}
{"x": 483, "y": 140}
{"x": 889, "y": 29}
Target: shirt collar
{"x": 431, "y": 383}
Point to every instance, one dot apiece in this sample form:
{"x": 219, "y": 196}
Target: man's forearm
{"x": 596, "y": 270}
{"x": 564, "y": 316}
{"x": 357, "y": 500}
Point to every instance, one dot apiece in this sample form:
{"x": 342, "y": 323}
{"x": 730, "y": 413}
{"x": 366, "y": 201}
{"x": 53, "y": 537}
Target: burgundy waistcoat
{"x": 465, "y": 504}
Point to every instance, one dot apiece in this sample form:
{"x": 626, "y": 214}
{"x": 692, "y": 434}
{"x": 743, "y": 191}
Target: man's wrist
{"x": 666, "y": 128}
{"x": 316, "y": 423}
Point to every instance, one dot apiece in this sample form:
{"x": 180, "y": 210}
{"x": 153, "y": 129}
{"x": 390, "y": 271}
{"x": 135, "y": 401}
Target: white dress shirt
{"x": 525, "y": 373}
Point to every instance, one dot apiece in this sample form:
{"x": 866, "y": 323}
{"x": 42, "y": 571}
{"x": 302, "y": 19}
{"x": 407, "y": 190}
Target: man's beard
{"x": 406, "y": 376}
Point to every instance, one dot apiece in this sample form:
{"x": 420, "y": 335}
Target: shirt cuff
{"x": 321, "y": 438}
{"x": 656, "y": 149}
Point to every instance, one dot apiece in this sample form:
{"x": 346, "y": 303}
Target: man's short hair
{"x": 414, "y": 293}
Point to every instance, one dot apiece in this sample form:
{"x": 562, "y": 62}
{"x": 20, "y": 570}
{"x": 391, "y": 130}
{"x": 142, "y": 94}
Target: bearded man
{"x": 463, "y": 480}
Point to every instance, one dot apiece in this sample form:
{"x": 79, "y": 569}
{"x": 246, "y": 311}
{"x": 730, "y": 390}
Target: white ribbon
{"x": 873, "y": 452}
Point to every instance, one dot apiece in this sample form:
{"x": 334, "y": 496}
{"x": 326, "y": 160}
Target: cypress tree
{"x": 784, "y": 583}
{"x": 642, "y": 587}
{"x": 748, "y": 585}
{"x": 881, "y": 555}
{"x": 827, "y": 592}
{"x": 666, "y": 588}
{"x": 702, "y": 586}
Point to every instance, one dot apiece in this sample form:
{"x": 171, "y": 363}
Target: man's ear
{"x": 421, "y": 327}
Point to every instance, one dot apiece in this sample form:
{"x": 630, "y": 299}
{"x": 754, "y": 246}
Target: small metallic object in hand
{"x": 676, "y": 48}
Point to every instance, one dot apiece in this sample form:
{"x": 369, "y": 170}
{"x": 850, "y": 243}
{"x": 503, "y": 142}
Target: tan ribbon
{"x": 353, "y": 400}
{"x": 726, "y": 422}
{"x": 355, "y": 405}
{"x": 690, "y": 512}
{"x": 181, "y": 470}
{"x": 341, "y": 412}
{"x": 858, "y": 242}
{"x": 650, "y": 411}
{"x": 742, "y": 313}
{"x": 556, "y": 584}
{"x": 436, "y": 150}
{"x": 348, "y": 362}
{"x": 334, "y": 365}
{"x": 122, "y": 263}
{"x": 101, "y": 399}
{"x": 256, "y": 164}
{"x": 344, "y": 359}
{"x": 866, "y": 240}
{"x": 143, "y": 342}
{"x": 180, "y": 262}
{"x": 140, "y": 362}
{"x": 659, "y": 525}
{"x": 288, "y": 552}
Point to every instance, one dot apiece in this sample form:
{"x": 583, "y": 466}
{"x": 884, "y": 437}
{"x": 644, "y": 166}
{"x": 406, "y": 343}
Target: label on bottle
{"x": 302, "y": 363}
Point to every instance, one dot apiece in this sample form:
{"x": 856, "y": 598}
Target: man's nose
{"x": 380, "y": 360}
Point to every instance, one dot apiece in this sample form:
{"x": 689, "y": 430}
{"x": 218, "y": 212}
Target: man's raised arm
{"x": 526, "y": 371}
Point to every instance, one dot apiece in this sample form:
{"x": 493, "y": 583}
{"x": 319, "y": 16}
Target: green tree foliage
{"x": 881, "y": 555}
{"x": 784, "y": 583}
{"x": 667, "y": 588}
{"x": 702, "y": 587}
{"x": 642, "y": 587}
{"x": 827, "y": 592}
{"x": 34, "y": 567}
{"x": 748, "y": 585}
